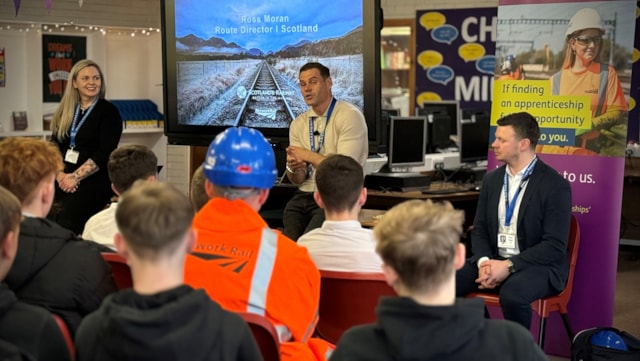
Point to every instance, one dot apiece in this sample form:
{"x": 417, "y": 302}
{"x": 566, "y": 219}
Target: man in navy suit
{"x": 520, "y": 233}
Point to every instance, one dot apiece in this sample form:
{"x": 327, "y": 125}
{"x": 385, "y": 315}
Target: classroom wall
{"x": 113, "y": 13}
{"x": 132, "y": 68}
{"x": 406, "y": 9}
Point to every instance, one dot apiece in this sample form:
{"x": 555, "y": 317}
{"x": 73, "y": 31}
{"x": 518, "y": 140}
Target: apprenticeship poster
{"x": 573, "y": 60}
{"x": 59, "y": 53}
{"x": 454, "y": 56}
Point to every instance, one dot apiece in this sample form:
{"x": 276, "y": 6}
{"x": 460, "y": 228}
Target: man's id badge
{"x": 506, "y": 240}
{"x": 71, "y": 156}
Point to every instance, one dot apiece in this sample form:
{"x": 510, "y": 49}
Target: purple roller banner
{"x": 583, "y": 136}
{"x": 454, "y": 56}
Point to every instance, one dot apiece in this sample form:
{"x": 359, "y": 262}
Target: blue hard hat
{"x": 609, "y": 339}
{"x": 241, "y": 157}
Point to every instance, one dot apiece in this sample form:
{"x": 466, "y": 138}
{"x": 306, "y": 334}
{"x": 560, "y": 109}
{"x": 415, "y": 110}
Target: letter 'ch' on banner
{"x": 454, "y": 56}
{"x": 578, "y": 90}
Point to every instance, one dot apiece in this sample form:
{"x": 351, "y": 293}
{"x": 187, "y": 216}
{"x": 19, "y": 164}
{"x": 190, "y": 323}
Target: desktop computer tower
{"x": 401, "y": 182}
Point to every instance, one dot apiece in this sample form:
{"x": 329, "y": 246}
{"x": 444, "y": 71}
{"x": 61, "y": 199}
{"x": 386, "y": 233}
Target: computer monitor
{"x": 385, "y": 120}
{"x": 407, "y": 142}
{"x": 444, "y": 117}
{"x": 473, "y": 135}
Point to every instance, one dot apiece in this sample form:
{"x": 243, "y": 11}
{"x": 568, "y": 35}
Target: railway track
{"x": 264, "y": 103}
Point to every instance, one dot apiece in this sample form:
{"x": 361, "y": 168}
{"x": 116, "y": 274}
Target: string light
{"x": 70, "y": 27}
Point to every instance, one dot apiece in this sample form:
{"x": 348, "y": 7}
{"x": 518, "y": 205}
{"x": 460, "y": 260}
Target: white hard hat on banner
{"x": 586, "y": 18}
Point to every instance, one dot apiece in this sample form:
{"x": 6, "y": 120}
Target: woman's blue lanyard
{"x": 510, "y": 206}
{"x": 312, "y": 141}
{"x": 75, "y": 126}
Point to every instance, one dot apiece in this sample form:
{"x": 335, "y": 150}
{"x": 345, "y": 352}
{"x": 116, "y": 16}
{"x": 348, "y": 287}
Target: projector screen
{"x": 236, "y": 62}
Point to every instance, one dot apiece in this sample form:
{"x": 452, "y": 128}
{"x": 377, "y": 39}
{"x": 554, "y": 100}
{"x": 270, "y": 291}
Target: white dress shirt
{"x": 342, "y": 246}
{"x": 101, "y": 227}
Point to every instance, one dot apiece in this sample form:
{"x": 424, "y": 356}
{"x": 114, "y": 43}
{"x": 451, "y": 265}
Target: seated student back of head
{"x": 126, "y": 165}
{"x": 419, "y": 243}
{"x": 53, "y": 268}
{"x": 26, "y": 332}
{"x": 341, "y": 243}
{"x": 160, "y": 318}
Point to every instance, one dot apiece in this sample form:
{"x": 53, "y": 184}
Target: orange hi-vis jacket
{"x": 247, "y": 267}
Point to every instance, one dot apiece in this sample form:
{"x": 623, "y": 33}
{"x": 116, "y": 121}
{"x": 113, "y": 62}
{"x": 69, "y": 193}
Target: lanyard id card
{"x": 71, "y": 156}
{"x": 313, "y": 133}
{"x": 507, "y": 241}
{"x": 507, "y": 237}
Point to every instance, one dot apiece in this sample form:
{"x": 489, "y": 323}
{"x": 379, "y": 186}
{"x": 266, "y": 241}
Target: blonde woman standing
{"x": 86, "y": 128}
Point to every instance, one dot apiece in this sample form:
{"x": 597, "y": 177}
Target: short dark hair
{"x": 340, "y": 179}
{"x": 153, "y": 217}
{"x": 524, "y": 125}
{"x": 10, "y": 213}
{"x": 129, "y": 163}
{"x": 324, "y": 71}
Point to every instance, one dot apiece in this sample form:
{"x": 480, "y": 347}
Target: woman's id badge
{"x": 71, "y": 156}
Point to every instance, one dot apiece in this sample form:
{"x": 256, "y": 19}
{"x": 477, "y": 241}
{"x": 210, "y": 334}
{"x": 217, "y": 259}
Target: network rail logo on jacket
{"x": 230, "y": 257}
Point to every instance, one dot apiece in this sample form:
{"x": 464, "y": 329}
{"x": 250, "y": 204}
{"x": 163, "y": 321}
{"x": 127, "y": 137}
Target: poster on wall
{"x": 568, "y": 63}
{"x": 2, "y": 69}
{"x": 455, "y": 56}
{"x": 59, "y": 53}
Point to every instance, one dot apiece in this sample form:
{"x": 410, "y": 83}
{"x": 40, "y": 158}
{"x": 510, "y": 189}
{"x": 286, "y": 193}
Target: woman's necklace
{"x": 84, "y": 107}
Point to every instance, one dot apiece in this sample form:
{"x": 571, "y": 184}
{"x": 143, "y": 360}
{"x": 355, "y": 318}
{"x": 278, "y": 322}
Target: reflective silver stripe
{"x": 284, "y": 334}
{"x": 262, "y": 273}
{"x": 327, "y": 355}
{"x": 555, "y": 83}
{"x": 602, "y": 87}
{"x": 311, "y": 328}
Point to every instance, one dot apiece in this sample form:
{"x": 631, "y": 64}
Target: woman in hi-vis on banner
{"x": 582, "y": 73}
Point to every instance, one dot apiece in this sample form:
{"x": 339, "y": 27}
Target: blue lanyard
{"x": 312, "y": 141}
{"x": 510, "y": 206}
{"x": 75, "y": 126}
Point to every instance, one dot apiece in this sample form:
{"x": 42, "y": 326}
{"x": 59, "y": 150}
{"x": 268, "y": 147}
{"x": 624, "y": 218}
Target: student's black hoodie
{"x": 408, "y": 331}
{"x": 178, "y": 324}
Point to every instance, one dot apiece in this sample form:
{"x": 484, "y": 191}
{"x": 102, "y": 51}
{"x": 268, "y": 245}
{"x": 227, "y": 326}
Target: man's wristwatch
{"x": 289, "y": 169}
{"x": 512, "y": 269}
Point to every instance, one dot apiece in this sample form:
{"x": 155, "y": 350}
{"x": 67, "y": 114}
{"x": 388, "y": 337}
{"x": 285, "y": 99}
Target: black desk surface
{"x": 383, "y": 200}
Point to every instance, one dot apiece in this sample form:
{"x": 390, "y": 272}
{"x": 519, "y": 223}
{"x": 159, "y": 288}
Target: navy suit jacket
{"x": 543, "y": 225}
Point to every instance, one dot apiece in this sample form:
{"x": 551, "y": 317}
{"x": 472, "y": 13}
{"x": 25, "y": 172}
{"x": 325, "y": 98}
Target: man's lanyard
{"x": 510, "y": 206}
{"x": 312, "y": 140}
{"x": 75, "y": 126}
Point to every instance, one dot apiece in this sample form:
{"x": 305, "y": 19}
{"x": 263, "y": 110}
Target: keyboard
{"x": 443, "y": 191}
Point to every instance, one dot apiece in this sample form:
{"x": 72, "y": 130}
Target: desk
{"x": 368, "y": 217}
{"x": 463, "y": 200}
